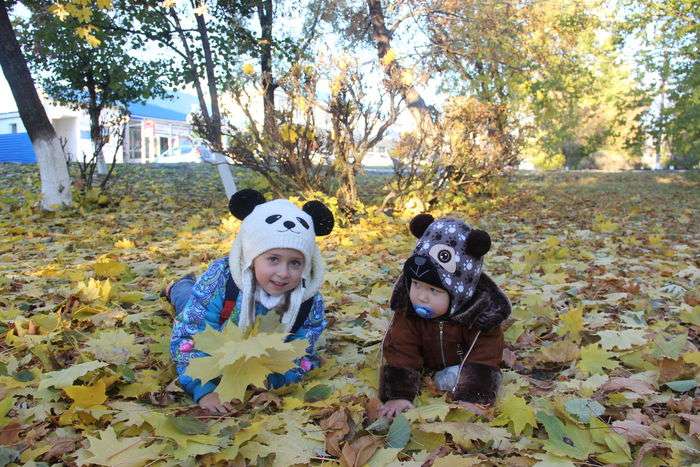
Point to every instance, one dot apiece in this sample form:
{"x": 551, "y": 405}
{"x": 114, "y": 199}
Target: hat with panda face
{"x": 449, "y": 255}
{"x": 276, "y": 224}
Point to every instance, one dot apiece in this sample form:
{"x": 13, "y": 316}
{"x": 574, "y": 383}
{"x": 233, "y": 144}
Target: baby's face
{"x": 278, "y": 270}
{"x": 429, "y": 296}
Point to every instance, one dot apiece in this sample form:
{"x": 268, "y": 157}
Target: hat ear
{"x": 243, "y": 202}
{"x": 321, "y": 215}
{"x": 478, "y": 243}
{"x": 420, "y": 224}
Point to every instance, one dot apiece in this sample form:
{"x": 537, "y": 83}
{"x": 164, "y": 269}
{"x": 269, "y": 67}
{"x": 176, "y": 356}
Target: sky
{"x": 430, "y": 91}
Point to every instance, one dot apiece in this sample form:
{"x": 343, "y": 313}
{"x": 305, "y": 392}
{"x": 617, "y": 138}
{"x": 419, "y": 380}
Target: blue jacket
{"x": 204, "y": 309}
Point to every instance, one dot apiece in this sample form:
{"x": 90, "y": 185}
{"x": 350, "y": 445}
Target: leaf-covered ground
{"x": 601, "y": 366}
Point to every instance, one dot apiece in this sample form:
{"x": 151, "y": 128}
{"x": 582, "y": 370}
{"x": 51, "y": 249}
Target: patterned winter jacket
{"x": 204, "y": 309}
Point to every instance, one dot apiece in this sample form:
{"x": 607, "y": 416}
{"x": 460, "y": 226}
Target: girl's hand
{"x": 213, "y": 405}
{"x": 394, "y": 407}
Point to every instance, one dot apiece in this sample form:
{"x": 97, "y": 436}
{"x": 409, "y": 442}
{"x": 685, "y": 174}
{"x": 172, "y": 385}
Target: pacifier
{"x": 424, "y": 311}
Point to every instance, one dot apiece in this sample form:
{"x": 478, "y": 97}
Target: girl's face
{"x": 278, "y": 270}
{"x": 425, "y": 295}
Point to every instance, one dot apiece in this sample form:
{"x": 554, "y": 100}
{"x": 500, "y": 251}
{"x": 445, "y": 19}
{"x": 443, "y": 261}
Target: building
{"x": 150, "y": 131}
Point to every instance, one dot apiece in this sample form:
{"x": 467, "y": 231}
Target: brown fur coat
{"x": 413, "y": 344}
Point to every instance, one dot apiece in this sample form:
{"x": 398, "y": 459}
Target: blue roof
{"x": 16, "y": 147}
{"x": 153, "y": 111}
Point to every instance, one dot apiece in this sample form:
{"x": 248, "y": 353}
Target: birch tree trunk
{"x": 53, "y": 171}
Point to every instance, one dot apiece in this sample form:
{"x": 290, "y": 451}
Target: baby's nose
{"x": 289, "y": 224}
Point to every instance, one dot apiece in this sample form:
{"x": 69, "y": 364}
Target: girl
{"x": 274, "y": 266}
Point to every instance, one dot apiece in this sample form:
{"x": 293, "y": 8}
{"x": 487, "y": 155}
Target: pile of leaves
{"x": 601, "y": 365}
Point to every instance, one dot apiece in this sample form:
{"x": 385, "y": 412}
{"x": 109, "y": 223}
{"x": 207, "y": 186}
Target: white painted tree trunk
{"x": 225, "y": 174}
{"x": 101, "y": 164}
{"x": 53, "y": 172}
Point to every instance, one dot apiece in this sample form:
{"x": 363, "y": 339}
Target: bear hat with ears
{"x": 449, "y": 255}
{"x": 276, "y": 224}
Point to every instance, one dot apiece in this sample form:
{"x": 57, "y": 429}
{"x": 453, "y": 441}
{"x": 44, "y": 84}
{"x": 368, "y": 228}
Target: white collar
{"x": 267, "y": 300}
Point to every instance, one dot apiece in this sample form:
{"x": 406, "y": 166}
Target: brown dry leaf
{"x": 360, "y": 451}
{"x": 634, "y": 431}
{"x": 265, "y": 399}
{"x": 694, "y": 422}
{"x": 635, "y": 385}
{"x": 670, "y": 370}
{"x": 336, "y": 427}
{"x": 372, "y": 408}
{"x": 61, "y": 446}
{"x": 561, "y": 352}
{"x": 9, "y": 434}
{"x": 681, "y": 405}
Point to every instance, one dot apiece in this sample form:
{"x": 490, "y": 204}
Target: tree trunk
{"x": 382, "y": 37}
{"x": 268, "y": 83}
{"x": 215, "y": 127}
{"x": 53, "y": 172}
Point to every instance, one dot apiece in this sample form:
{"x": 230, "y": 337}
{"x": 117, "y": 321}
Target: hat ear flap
{"x": 243, "y": 202}
{"x": 321, "y": 215}
{"x": 478, "y": 243}
{"x": 420, "y": 224}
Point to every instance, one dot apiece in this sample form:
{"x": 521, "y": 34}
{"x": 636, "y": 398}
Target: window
{"x": 13, "y": 128}
{"x": 164, "y": 143}
{"x": 135, "y": 142}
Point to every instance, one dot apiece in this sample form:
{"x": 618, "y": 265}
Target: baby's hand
{"x": 394, "y": 407}
{"x": 213, "y": 405}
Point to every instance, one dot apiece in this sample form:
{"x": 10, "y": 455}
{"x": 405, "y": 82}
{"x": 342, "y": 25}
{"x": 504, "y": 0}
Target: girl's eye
{"x": 296, "y": 263}
{"x": 272, "y": 259}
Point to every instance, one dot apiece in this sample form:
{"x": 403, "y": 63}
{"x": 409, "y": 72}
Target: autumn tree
{"x": 204, "y": 42}
{"x": 55, "y": 181}
{"x": 665, "y": 37}
{"x": 100, "y": 77}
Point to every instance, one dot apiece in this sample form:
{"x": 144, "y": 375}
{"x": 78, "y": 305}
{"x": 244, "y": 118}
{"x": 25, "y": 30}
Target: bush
{"x": 610, "y": 161}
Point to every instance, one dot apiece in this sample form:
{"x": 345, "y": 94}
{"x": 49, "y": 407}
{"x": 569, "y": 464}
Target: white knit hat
{"x": 276, "y": 224}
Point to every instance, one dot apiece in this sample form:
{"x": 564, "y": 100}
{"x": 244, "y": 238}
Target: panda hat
{"x": 276, "y": 224}
{"x": 449, "y": 255}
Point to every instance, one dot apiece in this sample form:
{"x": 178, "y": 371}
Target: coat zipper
{"x": 442, "y": 348}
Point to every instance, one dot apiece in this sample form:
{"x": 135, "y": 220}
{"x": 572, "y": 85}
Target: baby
{"x": 447, "y": 316}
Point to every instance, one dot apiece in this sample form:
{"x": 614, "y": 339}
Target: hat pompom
{"x": 420, "y": 224}
{"x": 478, "y": 243}
{"x": 243, "y": 202}
{"x": 321, "y": 215}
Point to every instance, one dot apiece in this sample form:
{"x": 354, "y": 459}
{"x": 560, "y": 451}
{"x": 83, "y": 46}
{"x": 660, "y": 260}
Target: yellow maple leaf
{"x": 59, "y": 10}
{"x": 123, "y": 452}
{"x": 104, "y": 4}
{"x": 85, "y": 397}
{"x": 248, "y": 68}
{"x": 515, "y": 410}
{"x": 692, "y": 358}
{"x": 93, "y": 290}
{"x": 594, "y": 360}
{"x": 241, "y": 360}
{"x": 109, "y": 268}
{"x": 85, "y": 33}
{"x": 571, "y": 323}
{"x": 389, "y": 57}
{"x": 124, "y": 244}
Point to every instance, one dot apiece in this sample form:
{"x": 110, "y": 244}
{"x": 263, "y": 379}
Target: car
{"x": 186, "y": 152}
